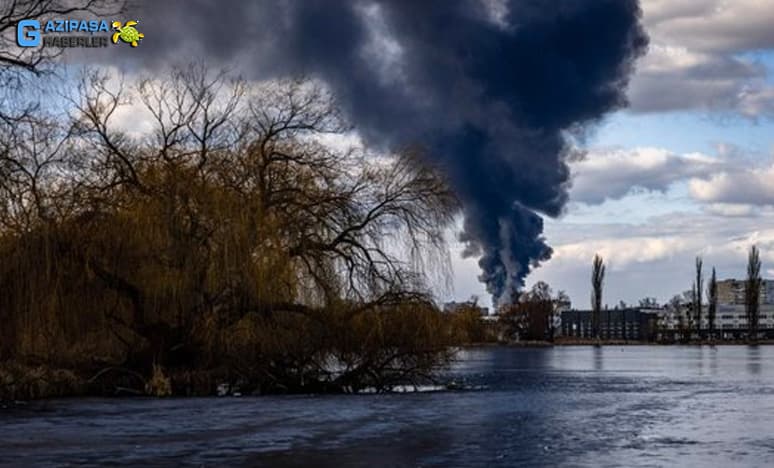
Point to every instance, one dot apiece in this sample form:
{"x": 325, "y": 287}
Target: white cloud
{"x": 672, "y": 77}
{"x": 622, "y": 252}
{"x": 730, "y": 184}
{"x": 711, "y": 25}
{"x": 731, "y": 210}
{"x": 741, "y": 186}
{"x": 654, "y": 258}
{"x": 612, "y": 173}
{"x": 763, "y": 239}
{"x": 658, "y": 11}
{"x": 694, "y": 58}
{"x": 756, "y": 101}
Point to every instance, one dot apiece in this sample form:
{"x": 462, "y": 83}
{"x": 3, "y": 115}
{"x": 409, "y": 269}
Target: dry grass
{"x": 159, "y": 385}
{"x": 20, "y": 382}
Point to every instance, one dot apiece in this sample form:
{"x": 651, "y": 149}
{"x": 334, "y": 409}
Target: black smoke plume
{"x": 492, "y": 87}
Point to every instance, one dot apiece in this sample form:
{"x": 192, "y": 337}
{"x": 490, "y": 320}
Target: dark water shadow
{"x": 754, "y": 359}
{"x": 713, "y": 360}
{"x": 598, "y": 359}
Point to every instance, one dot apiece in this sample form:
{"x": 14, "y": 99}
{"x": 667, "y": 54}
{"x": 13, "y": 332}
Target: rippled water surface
{"x": 568, "y": 406}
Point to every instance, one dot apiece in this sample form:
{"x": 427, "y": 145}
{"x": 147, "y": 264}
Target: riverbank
{"x": 24, "y": 382}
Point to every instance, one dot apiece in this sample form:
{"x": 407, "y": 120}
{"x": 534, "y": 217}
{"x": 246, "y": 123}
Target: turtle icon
{"x": 127, "y": 33}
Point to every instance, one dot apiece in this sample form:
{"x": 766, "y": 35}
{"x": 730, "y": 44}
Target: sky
{"x": 685, "y": 170}
{"x": 497, "y": 92}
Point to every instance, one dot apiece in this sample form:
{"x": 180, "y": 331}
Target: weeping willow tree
{"x": 233, "y": 232}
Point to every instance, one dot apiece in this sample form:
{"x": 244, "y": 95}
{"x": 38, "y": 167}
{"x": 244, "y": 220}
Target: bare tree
{"x": 712, "y": 303}
{"x": 691, "y": 315}
{"x": 752, "y": 292}
{"x": 541, "y": 293}
{"x": 335, "y": 212}
{"x": 34, "y": 145}
{"x": 30, "y": 59}
{"x": 675, "y": 306}
{"x": 20, "y": 66}
{"x": 698, "y": 295}
{"x": 597, "y": 281}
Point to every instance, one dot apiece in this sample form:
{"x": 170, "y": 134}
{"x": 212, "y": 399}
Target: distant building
{"x": 560, "y": 307}
{"x": 731, "y": 291}
{"x": 730, "y": 321}
{"x": 679, "y": 320}
{"x": 639, "y": 324}
{"x": 451, "y": 307}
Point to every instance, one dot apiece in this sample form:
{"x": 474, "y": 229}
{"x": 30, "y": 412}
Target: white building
{"x": 730, "y": 319}
{"x": 731, "y": 291}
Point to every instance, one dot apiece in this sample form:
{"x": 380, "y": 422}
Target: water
{"x": 569, "y": 406}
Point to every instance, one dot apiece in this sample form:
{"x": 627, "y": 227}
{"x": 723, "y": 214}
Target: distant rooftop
{"x": 453, "y": 306}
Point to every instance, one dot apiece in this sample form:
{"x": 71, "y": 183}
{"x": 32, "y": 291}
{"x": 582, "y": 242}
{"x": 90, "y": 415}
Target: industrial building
{"x": 637, "y": 324}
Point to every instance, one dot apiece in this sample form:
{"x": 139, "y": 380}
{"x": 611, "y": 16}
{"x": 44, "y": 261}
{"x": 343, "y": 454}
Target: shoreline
{"x": 20, "y": 383}
{"x": 576, "y": 342}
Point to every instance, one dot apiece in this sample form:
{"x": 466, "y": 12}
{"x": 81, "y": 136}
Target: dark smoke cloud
{"x": 492, "y": 95}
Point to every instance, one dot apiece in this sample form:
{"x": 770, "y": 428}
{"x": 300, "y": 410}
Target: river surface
{"x": 564, "y": 406}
